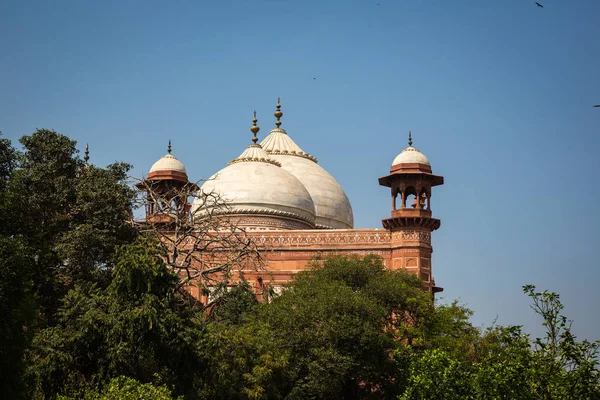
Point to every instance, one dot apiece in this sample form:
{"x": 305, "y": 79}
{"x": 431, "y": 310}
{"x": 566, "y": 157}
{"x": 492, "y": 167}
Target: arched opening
{"x": 410, "y": 195}
{"x": 395, "y": 193}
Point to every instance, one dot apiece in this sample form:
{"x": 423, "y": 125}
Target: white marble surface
{"x": 333, "y": 209}
{"x": 168, "y": 163}
{"x": 332, "y": 206}
{"x": 410, "y": 155}
{"x": 258, "y": 185}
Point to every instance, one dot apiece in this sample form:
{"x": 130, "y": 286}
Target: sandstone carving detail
{"x": 372, "y": 237}
{"x": 412, "y": 235}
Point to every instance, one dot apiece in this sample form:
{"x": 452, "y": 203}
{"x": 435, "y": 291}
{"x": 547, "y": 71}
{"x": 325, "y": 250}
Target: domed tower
{"x": 259, "y": 193}
{"x": 411, "y": 223}
{"x": 167, "y": 188}
{"x": 332, "y": 207}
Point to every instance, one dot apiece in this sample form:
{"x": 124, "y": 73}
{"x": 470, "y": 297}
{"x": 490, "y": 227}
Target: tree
{"x": 330, "y": 334}
{"x": 136, "y": 327}
{"x": 17, "y": 305}
{"x": 44, "y": 186}
{"x": 99, "y": 220}
{"x": 123, "y": 388}
{"x": 563, "y": 366}
{"x": 70, "y": 215}
{"x": 8, "y": 161}
{"x": 435, "y": 374}
{"x": 504, "y": 363}
{"x": 17, "y": 312}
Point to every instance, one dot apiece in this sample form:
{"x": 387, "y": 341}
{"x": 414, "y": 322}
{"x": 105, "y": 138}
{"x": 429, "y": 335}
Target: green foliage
{"x": 233, "y": 304}
{"x": 124, "y": 388}
{"x": 137, "y": 327}
{"x": 504, "y": 363}
{"x": 17, "y": 312}
{"x": 8, "y": 161}
{"x": 564, "y": 367}
{"x": 44, "y": 189}
{"x": 436, "y": 375}
{"x": 62, "y": 221}
{"x": 329, "y": 335}
{"x": 97, "y": 220}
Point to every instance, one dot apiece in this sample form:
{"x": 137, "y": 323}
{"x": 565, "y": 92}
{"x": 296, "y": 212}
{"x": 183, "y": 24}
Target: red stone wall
{"x": 288, "y": 252}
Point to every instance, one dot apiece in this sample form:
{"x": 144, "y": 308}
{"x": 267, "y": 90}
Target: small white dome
{"x": 255, "y": 184}
{"x": 168, "y": 163}
{"x": 410, "y": 155}
{"x": 332, "y": 207}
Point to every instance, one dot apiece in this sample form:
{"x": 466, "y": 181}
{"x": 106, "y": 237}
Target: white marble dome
{"x": 254, "y": 184}
{"x": 168, "y": 163}
{"x": 332, "y": 207}
{"x": 410, "y": 155}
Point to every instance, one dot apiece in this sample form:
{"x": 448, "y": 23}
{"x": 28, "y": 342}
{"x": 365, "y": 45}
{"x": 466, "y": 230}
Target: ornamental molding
{"x": 309, "y": 254}
{"x": 414, "y": 251}
{"x": 257, "y": 211}
{"x": 253, "y": 159}
{"x": 321, "y": 226}
{"x": 293, "y": 153}
{"x": 420, "y": 236}
{"x": 266, "y": 223}
{"x": 323, "y": 238}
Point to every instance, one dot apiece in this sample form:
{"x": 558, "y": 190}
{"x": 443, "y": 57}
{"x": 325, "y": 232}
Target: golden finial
{"x": 278, "y": 114}
{"x": 254, "y": 129}
{"x": 409, "y": 139}
{"x": 87, "y": 153}
{"x": 169, "y": 148}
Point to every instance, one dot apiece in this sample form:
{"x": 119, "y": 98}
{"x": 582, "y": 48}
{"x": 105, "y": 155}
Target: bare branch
{"x": 197, "y": 238}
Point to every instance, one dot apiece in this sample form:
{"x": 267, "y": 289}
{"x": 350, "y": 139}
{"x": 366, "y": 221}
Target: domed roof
{"x": 278, "y": 142}
{"x": 255, "y": 184}
{"x": 332, "y": 207}
{"x": 168, "y": 163}
{"x": 410, "y": 155}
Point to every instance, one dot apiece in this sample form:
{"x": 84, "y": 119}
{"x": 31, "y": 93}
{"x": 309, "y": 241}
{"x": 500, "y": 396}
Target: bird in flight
{"x": 539, "y": 5}
{"x": 597, "y": 105}
{"x": 315, "y": 79}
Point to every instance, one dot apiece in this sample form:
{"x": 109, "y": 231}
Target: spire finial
{"x": 409, "y": 139}
{"x": 254, "y": 129}
{"x": 169, "y": 148}
{"x": 278, "y": 114}
{"x": 87, "y": 153}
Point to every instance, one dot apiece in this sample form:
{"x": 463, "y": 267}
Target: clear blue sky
{"x": 498, "y": 95}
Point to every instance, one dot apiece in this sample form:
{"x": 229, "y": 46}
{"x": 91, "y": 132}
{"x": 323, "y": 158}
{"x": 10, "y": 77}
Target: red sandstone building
{"x": 295, "y": 210}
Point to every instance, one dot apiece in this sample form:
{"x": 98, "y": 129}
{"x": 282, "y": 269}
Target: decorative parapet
{"x": 411, "y": 236}
{"x": 333, "y": 239}
{"x": 323, "y": 239}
